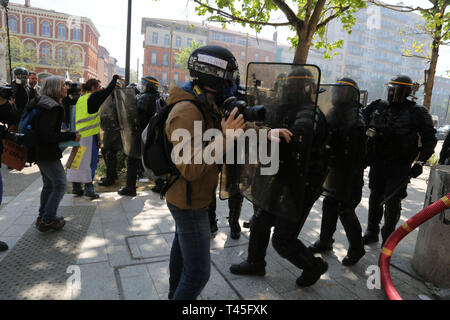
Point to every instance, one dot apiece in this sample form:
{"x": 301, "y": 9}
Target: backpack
{"x": 28, "y": 127}
{"x": 157, "y": 150}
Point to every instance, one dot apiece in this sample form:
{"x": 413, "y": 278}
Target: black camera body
{"x": 6, "y": 93}
{"x": 251, "y": 114}
{"x": 378, "y": 123}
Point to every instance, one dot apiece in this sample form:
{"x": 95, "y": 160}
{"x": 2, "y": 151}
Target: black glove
{"x": 416, "y": 170}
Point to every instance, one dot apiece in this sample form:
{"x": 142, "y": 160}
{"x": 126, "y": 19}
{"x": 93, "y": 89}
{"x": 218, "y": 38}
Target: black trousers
{"x": 234, "y": 205}
{"x": 132, "y": 172}
{"x": 384, "y": 179}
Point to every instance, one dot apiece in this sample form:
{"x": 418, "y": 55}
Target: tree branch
{"x": 315, "y": 18}
{"x": 232, "y": 18}
{"x": 290, "y": 15}
{"x": 397, "y": 8}
{"x": 327, "y": 20}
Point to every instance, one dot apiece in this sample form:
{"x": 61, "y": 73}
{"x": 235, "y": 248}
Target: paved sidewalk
{"x": 124, "y": 253}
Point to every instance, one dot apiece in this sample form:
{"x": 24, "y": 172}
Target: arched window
{"x": 45, "y": 54}
{"x": 30, "y": 52}
{"x": 61, "y": 31}
{"x": 45, "y": 32}
{"x": 12, "y": 22}
{"x": 75, "y": 56}
{"x": 76, "y": 33}
{"x": 61, "y": 55}
{"x": 29, "y": 26}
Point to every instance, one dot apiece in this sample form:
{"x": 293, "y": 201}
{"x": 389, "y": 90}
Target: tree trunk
{"x": 304, "y": 43}
{"x": 428, "y": 92}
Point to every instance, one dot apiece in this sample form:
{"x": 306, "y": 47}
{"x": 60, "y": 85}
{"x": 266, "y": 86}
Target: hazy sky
{"x": 110, "y": 18}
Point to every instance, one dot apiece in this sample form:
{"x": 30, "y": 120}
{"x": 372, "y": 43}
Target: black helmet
{"x": 215, "y": 67}
{"x": 21, "y": 72}
{"x": 300, "y": 87}
{"x": 346, "y": 91}
{"x": 149, "y": 84}
{"x": 399, "y": 88}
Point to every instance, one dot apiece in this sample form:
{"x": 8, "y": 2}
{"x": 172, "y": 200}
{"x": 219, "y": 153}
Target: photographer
{"x": 393, "y": 146}
{"x": 214, "y": 73}
{"x": 7, "y": 117}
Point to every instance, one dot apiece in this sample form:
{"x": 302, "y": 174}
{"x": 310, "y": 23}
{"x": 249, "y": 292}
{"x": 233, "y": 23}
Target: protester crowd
{"x": 323, "y": 151}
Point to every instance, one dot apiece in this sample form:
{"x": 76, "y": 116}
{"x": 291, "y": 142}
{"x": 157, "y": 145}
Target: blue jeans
{"x": 190, "y": 261}
{"x": 55, "y": 183}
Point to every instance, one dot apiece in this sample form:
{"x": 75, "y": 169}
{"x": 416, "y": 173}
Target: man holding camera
{"x": 393, "y": 146}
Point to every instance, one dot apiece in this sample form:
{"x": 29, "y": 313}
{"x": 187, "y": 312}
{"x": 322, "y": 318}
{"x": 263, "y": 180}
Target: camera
{"x": 6, "y": 93}
{"x": 251, "y": 114}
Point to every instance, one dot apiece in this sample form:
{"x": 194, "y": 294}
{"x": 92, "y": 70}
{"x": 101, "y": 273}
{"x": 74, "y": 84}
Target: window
{"x": 61, "y": 31}
{"x": 13, "y": 24}
{"x": 153, "y": 73}
{"x": 29, "y": 26}
{"x": 242, "y": 55}
{"x": 61, "y": 55}
{"x": 176, "y": 65}
{"x": 176, "y": 77}
{"x": 30, "y": 52}
{"x": 164, "y": 76}
{"x": 75, "y": 56}
{"x": 166, "y": 59}
{"x": 178, "y": 42}
{"x": 228, "y": 38}
{"x": 154, "y": 57}
{"x": 216, "y": 36}
{"x": 76, "y": 33}
{"x": 155, "y": 37}
{"x": 189, "y": 42}
{"x": 167, "y": 40}
{"x": 256, "y": 57}
{"x": 45, "y": 32}
{"x": 45, "y": 54}
{"x": 242, "y": 42}
{"x": 267, "y": 59}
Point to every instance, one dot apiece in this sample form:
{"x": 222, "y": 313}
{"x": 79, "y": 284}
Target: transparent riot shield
{"x": 364, "y": 99}
{"x": 109, "y": 124}
{"x": 276, "y": 181}
{"x": 128, "y": 117}
{"x": 340, "y": 105}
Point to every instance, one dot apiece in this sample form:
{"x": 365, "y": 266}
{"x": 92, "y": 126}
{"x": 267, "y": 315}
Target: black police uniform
{"x": 147, "y": 107}
{"x": 396, "y": 128}
{"x": 444, "y": 157}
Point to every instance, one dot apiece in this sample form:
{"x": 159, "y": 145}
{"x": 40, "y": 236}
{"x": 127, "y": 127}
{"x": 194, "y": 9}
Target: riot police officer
{"x": 290, "y": 193}
{"x": 21, "y": 89}
{"x": 394, "y": 155}
{"x": 148, "y": 103}
{"x": 345, "y": 180}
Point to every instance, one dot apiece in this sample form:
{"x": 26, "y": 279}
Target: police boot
{"x": 330, "y": 214}
{"x": 319, "y": 246}
{"x": 127, "y": 191}
{"x": 106, "y": 182}
{"x": 391, "y": 218}
{"x": 77, "y": 189}
{"x": 249, "y": 269}
{"x": 353, "y": 232}
{"x": 89, "y": 191}
{"x": 374, "y": 219}
{"x": 212, "y": 218}
{"x": 311, "y": 275}
{"x": 235, "y": 206}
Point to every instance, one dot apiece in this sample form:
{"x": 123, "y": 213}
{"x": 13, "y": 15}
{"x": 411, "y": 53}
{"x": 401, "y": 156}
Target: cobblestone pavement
{"x": 124, "y": 254}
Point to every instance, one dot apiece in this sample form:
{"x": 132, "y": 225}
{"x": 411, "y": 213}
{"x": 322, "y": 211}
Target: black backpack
{"x": 157, "y": 150}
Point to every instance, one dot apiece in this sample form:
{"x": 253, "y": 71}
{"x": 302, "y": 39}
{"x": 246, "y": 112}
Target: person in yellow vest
{"x": 88, "y": 125}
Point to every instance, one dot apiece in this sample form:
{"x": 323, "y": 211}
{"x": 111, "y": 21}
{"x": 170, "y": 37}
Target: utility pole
{"x": 5, "y": 3}
{"x": 127, "y": 63}
{"x": 171, "y": 56}
{"x": 246, "y": 61}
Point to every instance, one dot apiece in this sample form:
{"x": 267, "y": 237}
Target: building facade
{"x": 53, "y": 43}
{"x": 160, "y": 34}
{"x": 106, "y": 66}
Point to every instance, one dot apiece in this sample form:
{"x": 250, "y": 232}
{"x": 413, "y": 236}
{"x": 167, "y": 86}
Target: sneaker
{"x": 370, "y": 237}
{"x": 56, "y": 225}
{"x": 311, "y": 276}
{"x": 3, "y": 246}
{"x": 248, "y": 268}
{"x": 126, "y": 191}
{"x": 39, "y": 219}
{"x": 353, "y": 256}
{"x": 319, "y": 247}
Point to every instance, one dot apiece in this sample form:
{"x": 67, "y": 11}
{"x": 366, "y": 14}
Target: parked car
{"x": 442, "y": 132}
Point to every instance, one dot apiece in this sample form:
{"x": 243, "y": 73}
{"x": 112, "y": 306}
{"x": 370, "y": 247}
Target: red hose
{"x": 398, "y": 235}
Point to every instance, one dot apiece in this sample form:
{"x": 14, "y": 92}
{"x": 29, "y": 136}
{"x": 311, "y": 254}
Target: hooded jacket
{"x": 50, "y": 118}
{"x": 201, "y": 179}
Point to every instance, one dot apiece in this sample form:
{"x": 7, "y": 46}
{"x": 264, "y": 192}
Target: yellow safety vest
{"x": 86, "y": 124}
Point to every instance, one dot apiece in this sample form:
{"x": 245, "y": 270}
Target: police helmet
{"x": 300, "y": 87}
{"x": 148, "y": 84}
{"x": 345, "y": 92}
{"x": 215, "y": 67}
{"x": 399, "y": 88}
{"x": 21, "y": 72}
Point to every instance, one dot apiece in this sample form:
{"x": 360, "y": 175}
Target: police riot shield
{"x": 341, "y": 105}
{"x": 128, "y": 117}
{"x": 272, "y": 175}
{"x": 109, "y": 124}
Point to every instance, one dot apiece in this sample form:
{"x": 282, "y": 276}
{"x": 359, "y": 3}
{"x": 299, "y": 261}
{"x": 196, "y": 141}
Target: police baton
{"x": 396, "y": 191}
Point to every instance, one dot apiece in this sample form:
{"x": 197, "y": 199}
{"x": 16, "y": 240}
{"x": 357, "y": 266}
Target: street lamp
{"x": 127, "y": 63}
{"x": 5, "y": 4}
